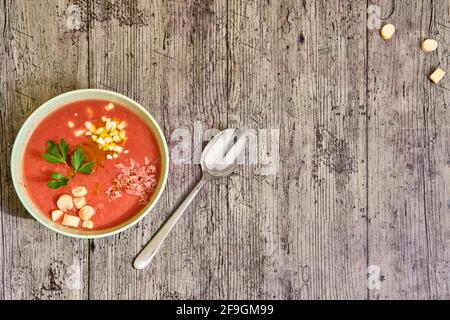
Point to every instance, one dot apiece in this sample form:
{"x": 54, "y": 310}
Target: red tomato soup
{"x": 118, "y": 147}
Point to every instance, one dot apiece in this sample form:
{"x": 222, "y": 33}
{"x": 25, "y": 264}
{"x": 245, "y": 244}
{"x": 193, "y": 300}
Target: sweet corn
{"x": 118, "y": 149}
{"x": 100, "y": 141}
{"x": 79, "y": 132}
{"x": 122, "y": 125}
{"x": 90, "y": 126}
{"x": 108, "y": 136}
{"x": 111, "y": 125}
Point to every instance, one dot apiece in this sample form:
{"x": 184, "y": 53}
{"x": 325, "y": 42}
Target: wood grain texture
{"x": 38, "y": 61}
{"x": 300, "y": 230}
{"x": 407, "y": 208}
{"x": 362, "y": 135}
{"x": 437, "y": 165}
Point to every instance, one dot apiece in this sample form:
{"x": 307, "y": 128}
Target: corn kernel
{"x": 79, "y": 132}
{"x": 118, "y": 149}
{"x": 116, "y": 138}
{"x": 112, "y": 125}
{"x": 122, "y": 125}
{"x": 88, "y": 133}
{"x": 89, "y": 125}
{"x": 100, "y": 141}
{"x": 108, "y": 136}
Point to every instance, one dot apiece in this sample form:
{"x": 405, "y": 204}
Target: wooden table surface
{"x": 359, "y": 205}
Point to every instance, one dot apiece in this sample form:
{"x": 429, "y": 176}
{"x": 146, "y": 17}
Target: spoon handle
{"x": 150, "y": 250}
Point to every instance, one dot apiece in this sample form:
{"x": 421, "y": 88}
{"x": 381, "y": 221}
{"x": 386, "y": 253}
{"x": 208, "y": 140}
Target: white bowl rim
{"x": 18, "y": 149}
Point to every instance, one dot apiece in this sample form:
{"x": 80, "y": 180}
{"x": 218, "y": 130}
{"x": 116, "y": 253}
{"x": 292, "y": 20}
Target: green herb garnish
{"x": 86, "y": 168}
{"x": 58, "y": 154}
{"x": 59, "y": 180}
{"x": 64, "y": 147}
{"x": 78, "y": 162}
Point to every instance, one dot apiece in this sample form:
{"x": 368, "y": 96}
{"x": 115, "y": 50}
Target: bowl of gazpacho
{"x": 89, "y": 163}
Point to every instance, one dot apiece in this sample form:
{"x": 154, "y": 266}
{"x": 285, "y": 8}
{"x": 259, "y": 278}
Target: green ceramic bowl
{"x": 60, "y": 101}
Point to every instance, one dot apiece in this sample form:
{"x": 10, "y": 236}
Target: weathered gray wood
{"x": 407, "y": 154}
{"x": 437, "y": 172}
{"x": 299, "y": 67}
{"x": 363, "y": 139}
{"x": 39, "y": 59}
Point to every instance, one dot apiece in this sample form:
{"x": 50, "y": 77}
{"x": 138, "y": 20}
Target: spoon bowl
{"x": 222, "y": 154}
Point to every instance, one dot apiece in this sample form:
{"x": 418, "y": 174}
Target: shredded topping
{"x": 135, "y": 179}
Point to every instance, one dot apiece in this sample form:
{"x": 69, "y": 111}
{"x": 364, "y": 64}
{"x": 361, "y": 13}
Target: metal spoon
{"x": 219, "y": 159}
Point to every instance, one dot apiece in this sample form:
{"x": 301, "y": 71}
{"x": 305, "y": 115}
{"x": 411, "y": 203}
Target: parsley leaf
{"x": 86, "y": 168}
{"x": 52, "y": 159}
{"x": 59, "y": 180}
{"x": 59, "y": 154}
{"x": 54, "y": 152}
{"x": 78, "y": 162}
{"x": 77, "y": 159}
{"x": 64, "y": 147}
